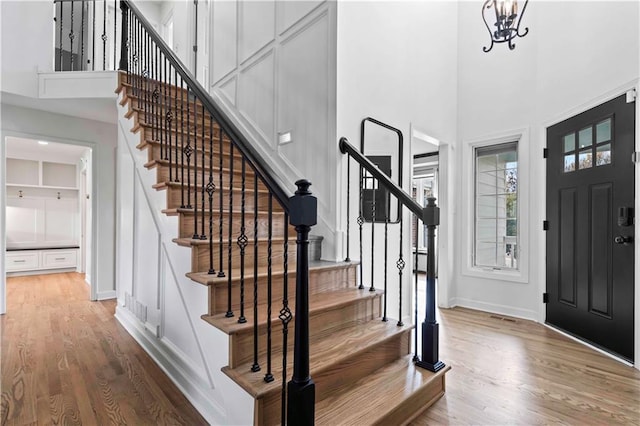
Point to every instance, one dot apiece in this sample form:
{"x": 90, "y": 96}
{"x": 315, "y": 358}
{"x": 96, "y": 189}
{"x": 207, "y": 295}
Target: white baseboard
{"x": 174, "y": 364}
{"x": 494, "y": 308}
{"x": 104, "y": 295}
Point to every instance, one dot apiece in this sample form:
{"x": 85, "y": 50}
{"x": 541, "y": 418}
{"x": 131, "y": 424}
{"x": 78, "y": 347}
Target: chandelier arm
{"x": 487, "y": 5}
{"x": 526, "y": 30}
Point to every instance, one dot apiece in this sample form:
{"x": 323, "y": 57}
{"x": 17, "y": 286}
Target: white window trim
{"x": 468, "y": 206}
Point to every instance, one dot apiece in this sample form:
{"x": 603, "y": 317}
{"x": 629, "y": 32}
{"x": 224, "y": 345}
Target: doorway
{"x": 590, "y": 247}
{"x": 47, "y": 227}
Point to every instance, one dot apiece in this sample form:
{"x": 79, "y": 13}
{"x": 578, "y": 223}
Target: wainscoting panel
{"x": 290, "y": 12}
{"x": 224, "y": 42}
{"x": 257, "y": 26}
{"x": 256, "y": 95}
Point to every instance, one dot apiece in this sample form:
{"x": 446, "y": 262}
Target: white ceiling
{"x": 29, "y": 148}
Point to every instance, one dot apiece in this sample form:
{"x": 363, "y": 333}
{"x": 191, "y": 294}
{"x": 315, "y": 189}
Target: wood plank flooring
{"x": 512, "y": 371}
{"x": 66, "y": 360}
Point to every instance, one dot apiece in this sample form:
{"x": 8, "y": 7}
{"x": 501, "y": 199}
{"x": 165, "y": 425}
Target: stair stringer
{"x": 168, "y": 326}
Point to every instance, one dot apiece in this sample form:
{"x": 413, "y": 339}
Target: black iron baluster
{"x": 415, "y": 289}
{"x": 202, "y": 234}
{"x": 136, "y": 60}
{"x": 230, "y": 214}
{"x": 187, "y": 152}
{"x": 211, "y": 187}
{"x": 373, "y": 227}
{"x": 175, "y": 128}
{"x": 285, "y": 316}
{"x": 255, "y": 367}
{"x": 155, "y": 131}
{"x": 182, "y": 150}
{"x": 386, "y": 259}
{"x": 82, "y": 36}
{"x": 161, "y": 131}
{"x": 71, "y": 36}
{"x": 61, "y": 66}
{"x": 347, "y": 259}
{"x": 268, "y": 377}
{"x": 104, "y": 35}
{"x": 242, "y": 240}
{"x": 123, "y": 6}
{"x": 400, "y": 264}
{"x": 220, "y": 269}
{"x": 360, "y": 223}
{"x": 301, "y": 389}
{"x": 145, "y": 74}
{"x": 195, "y": 169}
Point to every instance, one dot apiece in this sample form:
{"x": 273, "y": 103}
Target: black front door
{"x": 590, "y": 247}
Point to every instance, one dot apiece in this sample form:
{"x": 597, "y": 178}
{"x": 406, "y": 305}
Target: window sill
{"x": 496, "y": 274}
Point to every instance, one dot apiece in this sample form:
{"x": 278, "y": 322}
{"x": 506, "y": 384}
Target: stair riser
{"x": 156, "y": 113}
{"x": 200, "y": 256}
{"x": 175, "y": 198}
{"x": 191, "y": 174}
{"x": 319, "y": 281}
{"x": 187, "y": 226}
{"x": 329, "y": 381}
{"x": 147, "y": 86}
{"x": 320, "y": 324}
{"x": 149, "y": 135}
{"x": 157, "y": 152}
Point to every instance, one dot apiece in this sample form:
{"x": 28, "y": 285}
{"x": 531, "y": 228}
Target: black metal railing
{"x": 86, "y": 35}
{"x": 205, "y": 155}
{"x": 430, "y": 216}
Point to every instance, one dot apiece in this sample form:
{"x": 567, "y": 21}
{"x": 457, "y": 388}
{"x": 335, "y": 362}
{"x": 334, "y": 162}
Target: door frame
{"x": 542, "y": 206}
{"x": 3, "y": 207}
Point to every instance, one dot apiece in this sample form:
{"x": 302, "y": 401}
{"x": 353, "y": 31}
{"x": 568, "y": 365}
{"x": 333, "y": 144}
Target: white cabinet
{"x": 23, "y": 260}
{"x": 40, "y": 260}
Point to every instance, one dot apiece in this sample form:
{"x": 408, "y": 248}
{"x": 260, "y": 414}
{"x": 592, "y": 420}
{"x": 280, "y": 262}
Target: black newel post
{"x": 430, "y": 361}
{"x": 124, "y": 66}
{"x": 301, "y": 389}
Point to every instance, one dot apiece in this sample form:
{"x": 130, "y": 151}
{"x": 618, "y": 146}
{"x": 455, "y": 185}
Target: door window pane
{"x": 585, "y": 137}
{"x": 603, "y": 155}
{"x": 603, "y": 131}
{"x": 496, "y": 206}
{"x": 569, "y": 162}
{"x": 570, "y": 142}
{"x": 584, "y": 160}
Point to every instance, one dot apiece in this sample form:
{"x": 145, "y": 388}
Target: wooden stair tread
{"x": 332, "y": 350}
{"x": 248, "y": 213}
{"x": 386, "y": 389}
{"x": 190, "y": 242}
{"x": 165, "y": 163}
{"x": 317, "y": 303}
{"x": 212, "y": 279}
{"x": 225, "y": 189}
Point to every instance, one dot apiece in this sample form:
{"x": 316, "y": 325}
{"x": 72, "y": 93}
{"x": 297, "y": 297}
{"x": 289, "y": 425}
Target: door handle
{"x": 623, "y": 240}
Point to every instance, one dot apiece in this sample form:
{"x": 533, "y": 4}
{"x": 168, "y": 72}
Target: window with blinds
{"x": 496, "y": 206}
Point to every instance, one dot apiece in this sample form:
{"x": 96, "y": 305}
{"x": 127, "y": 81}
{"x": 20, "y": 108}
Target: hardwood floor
{"x": 512, "y": 371}
{"x": 66, "y": 360}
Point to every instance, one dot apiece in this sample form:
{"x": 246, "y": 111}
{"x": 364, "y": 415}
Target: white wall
{"x": 395, "y": 65}
{"x": 575, "y": 52}
{"x": 99, "y": 136}
{"x": 34, "y": 53}
{"x": 273, "y": 70}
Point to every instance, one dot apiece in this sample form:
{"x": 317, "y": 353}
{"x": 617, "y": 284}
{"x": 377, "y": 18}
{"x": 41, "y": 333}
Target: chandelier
{"x": 507, "y": 21}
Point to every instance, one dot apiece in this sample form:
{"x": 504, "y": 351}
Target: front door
{"x": 590, "y": 247}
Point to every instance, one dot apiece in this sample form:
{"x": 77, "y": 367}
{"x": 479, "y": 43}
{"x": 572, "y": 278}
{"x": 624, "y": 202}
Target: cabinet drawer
{"x": 59, "y": 259}
{"x": 22, "y": 261}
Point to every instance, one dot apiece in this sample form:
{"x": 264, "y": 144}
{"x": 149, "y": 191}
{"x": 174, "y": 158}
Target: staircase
{"x": 242, "y": 249}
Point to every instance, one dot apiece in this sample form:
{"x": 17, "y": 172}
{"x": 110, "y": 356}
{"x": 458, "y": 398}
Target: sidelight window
{"x": 496, "y": 206}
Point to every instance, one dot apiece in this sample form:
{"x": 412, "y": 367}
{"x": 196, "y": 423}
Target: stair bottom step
{"x": 393, "y": 395}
